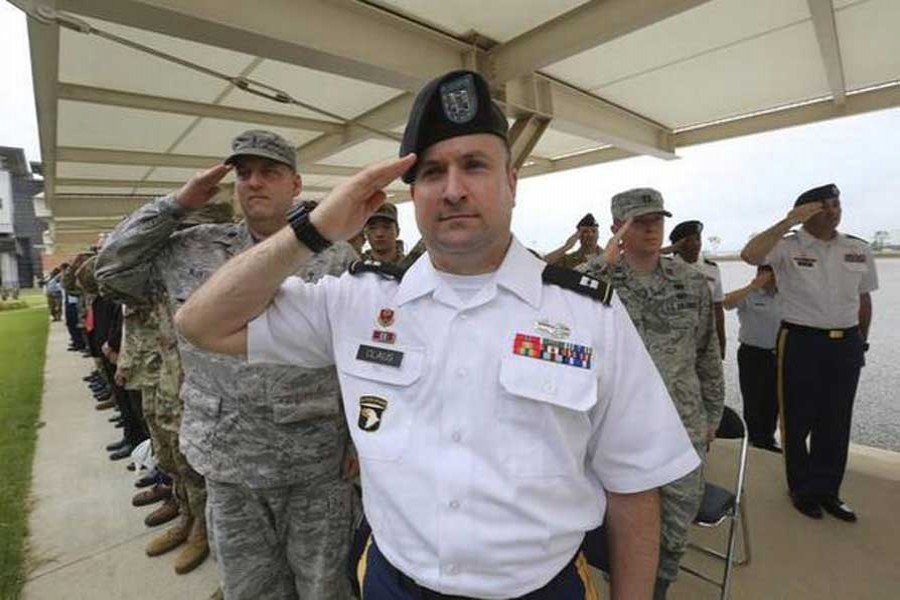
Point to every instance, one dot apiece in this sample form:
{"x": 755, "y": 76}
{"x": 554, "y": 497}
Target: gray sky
{"x": 736, "y": 187}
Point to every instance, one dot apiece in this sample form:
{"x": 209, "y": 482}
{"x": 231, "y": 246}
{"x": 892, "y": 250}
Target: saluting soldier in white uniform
{"x": 500, "y": 407}
{"x": 824, "y": 281}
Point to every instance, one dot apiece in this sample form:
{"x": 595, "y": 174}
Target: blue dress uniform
{"x": 819, "y": 354}
{"x": 760, "y": 321}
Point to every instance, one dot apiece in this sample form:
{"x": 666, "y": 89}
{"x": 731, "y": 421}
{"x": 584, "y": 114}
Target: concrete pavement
{"x": 86, "y": 541}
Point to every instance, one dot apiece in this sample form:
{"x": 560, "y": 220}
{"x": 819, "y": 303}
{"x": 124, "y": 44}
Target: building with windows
{"x": 21, "y": 232}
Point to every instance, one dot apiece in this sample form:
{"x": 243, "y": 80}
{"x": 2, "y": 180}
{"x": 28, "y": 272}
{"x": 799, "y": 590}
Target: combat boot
{"x": 195, "y": 551}
{"x": 167, "y": 511}
{"x": 171, "y": 538}
{"x": 106, "y": 404}
{"x": 155, "y": 494}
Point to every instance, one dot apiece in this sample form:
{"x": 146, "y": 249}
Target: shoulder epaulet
{"x": 578, "y": 282}
{"x": 709, "y": 262}
{"x": 858, "y": 239}
{"x": 385, "y": 271}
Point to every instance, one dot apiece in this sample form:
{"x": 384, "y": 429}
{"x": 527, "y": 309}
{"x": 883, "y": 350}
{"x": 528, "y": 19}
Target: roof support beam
{"x": 856, "y": 103}
{"x": 826, "y": 33}
{"x": 524, "y": 136}
{"x": 189, "y": 161}
{"x": 384, "y": 118}
{"x": 581, "y": 29}
{"x": 585, "y": 115}
{"x": 352, "y": 40}
{"x": 44, "y": 43}
{"x": 94, "y": 95}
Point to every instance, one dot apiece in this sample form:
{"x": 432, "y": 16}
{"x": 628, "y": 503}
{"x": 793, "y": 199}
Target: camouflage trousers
{"x": 680, "y": 501}
{"x": 282, "y": 543}
{"x": 188, "y": 485}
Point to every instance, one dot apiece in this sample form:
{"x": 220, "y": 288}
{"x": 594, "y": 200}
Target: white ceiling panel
{"x": 555, "y": 143}
{"x": 870, "y": 42}
{"x": 95, "y": 61}
{"x": 341, "y": 96}
{"x": 711, "y": 26}
{"x": 98, "y": 171}
{"x": 212, "y": 137}
{"x": 773, "y": 70}
{"x": 500, "y": 20}
{"x": 111, "y": 127}
{"x": 364, "y": 153}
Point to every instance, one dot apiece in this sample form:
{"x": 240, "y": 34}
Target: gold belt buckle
{"x": 835, "y": 334}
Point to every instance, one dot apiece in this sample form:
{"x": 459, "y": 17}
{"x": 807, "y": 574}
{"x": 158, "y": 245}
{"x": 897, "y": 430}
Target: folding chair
{"x": 722, "y": 504}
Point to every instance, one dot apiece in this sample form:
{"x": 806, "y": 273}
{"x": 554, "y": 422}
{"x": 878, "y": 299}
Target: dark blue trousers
{"x": 379, "y": 580}
{"x": 72, "y": 325}
{"x": 817, "y": 379}
{"x": 756, "y": 368}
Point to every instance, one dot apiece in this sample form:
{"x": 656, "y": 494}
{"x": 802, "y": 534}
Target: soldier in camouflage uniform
{"x": 381, "y": 231}
{"x": 586, "y": 234}
{"x": 269, "y": 439}
{"x": 671, "y": 306}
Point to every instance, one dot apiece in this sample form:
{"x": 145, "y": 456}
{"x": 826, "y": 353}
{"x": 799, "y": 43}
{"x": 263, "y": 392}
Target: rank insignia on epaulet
{"x": 709, "y": 262}
{"x": 386, "y": 271}
{"x": 858, "y": 239}
{"x": 579, "y": 283}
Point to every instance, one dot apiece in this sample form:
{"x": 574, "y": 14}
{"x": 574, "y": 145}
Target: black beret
{"x": 684, "y": 229}
{"x": 818, "y": 194}
{"x": 455, "y": 104}
{"x": 587, "y": 220}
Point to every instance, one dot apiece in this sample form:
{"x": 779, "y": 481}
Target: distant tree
{"x": 714, "y": 241}
{"x": 879, "y": 239}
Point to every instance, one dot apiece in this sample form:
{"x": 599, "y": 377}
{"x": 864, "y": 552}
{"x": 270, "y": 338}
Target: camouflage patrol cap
{"x": 636, "y": 202}
{"x": 265, "y": 144}
{"x": 818, "y": 194}
{"x": 385, "y": 211}
{"x": 457, "y": 103}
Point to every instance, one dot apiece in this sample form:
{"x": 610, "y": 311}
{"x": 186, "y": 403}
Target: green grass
{"x": 23, "y": 342}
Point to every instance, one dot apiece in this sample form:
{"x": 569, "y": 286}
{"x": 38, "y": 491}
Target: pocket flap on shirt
{"x": 398, "y": 365}
{"x": 561, "y": 385}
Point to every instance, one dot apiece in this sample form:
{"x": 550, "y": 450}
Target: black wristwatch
{"x": 306, "y": 232}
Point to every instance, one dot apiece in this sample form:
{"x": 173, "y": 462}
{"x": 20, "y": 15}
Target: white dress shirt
{"x": 819, "y": 283}
{"x": 482, "y": 467}
{"x": 712, "y": 273}
{"x": 760, "y": 319}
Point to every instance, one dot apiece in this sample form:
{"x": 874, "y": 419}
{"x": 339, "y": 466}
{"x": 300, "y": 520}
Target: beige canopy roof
{"x": 134, "y": 96}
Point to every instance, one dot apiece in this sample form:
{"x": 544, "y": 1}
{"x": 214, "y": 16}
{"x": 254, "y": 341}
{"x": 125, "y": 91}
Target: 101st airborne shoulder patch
{"x": 371, "y": 411}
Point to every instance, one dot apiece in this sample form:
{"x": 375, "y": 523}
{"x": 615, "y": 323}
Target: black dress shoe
{"x": 770, "y": 447}
{"x": 836, "y": 507}
{"x": 103, "y": 397}
{"x": 807, "y": 506}
{"x": 116, "y": 445}
{"x": 119, "y": 424}
{"x": 123, "y": 452}
{"x": 148, "y": 479}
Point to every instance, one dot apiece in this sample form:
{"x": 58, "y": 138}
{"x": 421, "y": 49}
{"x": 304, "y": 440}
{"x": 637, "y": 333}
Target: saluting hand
{"x": 343, "y": 213}
{"x": 805, "y": 212}
{"x": 613, "y": 250}
{"x": 202, "y": 187}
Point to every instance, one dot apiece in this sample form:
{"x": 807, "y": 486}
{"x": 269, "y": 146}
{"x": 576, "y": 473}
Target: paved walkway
{"x": 86, "y": 540}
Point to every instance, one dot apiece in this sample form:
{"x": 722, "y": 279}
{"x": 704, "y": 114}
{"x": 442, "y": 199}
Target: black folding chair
{"x": 721, "y": 505}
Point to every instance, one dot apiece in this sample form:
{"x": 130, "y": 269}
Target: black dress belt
{"x": 833, "y": 334}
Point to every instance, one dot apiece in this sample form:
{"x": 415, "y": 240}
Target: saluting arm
{"x": 758, "y": 248}
{"x": 555, "y": 256}
{"x": 633, "y": 525}
{"x": 215, "y": 317}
